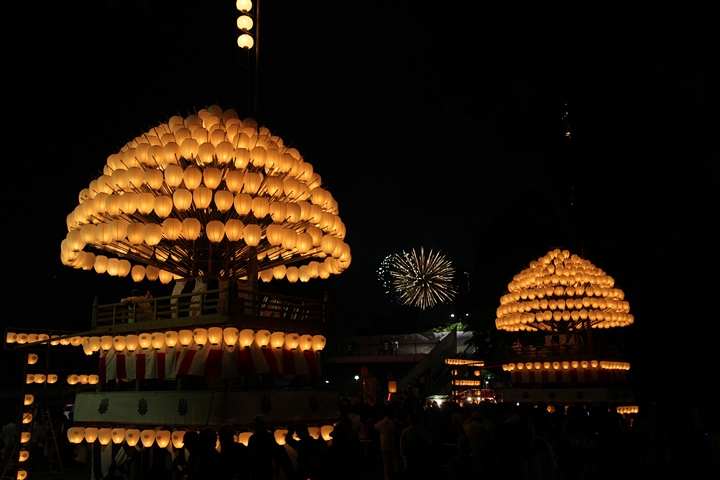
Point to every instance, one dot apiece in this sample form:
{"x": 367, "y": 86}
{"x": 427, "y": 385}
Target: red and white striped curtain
{"x": 568, "y": 376}
{"x": 209, "y": 360}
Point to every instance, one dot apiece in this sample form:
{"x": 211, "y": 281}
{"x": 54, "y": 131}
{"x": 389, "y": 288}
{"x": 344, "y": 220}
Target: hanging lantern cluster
{"x": 560, "y": 292}
{"x": 229, "y": 336}
{"x": 74, "y": 379}
{"x": 207, "y": 195}
{"x": 245, "y": 24}
{"x": 464, "y": 361}
{"x": 163, "y": 438}
{"x": 29, "y": 338}
{"x": 40, "y": 378}
{"x": 23, "y": 453}
{"x": 628, "y": 409}
{"x": 567, "y": 365}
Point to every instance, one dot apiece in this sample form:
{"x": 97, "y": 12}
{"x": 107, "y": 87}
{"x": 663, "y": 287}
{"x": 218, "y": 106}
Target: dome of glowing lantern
{"x": 211, "y": 187}
{"x": 561, "y": 292}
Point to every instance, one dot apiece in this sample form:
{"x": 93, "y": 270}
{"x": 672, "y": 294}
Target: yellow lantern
{"x": 163, "y": 205}
{"x": 244, "y": 438}
{"x": 305, "y": 342}
{"x": 177, "y": 438}
{"x": 318, "y": 342}
{"x": 29, "y": 399}
{"x": 234, "y": 230}
{"x": 262, "y": 338}
{"x": 104, "y": 436}
{"x": 224, "y": 200}
{"x": 29, "y": 378}
{"x": 106, "y": 342}
{"x": 32, "y": 359}
{"x": 243, "y": 5}
{"x": 118, "y": 435}
{"x": 25, "y": 437}
{"x": 292, "y": 274}
{"x": 246, "y": 337}
{"x": 252, "y": 235}
{"x": 280, "y": 436}
{"x": 76, "y": 434}
{"x": 93, "y": 379}
{"x": 91, "y": 434}
{"x": 171, "y": 338}
{"x": 147, "y": 438}
{"x": 144, "y": 340}
{"x": 21, "y": 474}
{"x": 23, "y": 455}
{"x": 185, "y": 337}
{"x": 27, "y": 418}
{"x": 230, "y": 335}
{"x": 131, "y": 342}
{"x": 119, "y": 343}
{"x": 291, "y": 341}
{"x": 132, "y": 437}
{"x": 191, "y": 228}
{"x": 172, "y": 228}
{"x": 72, "y": 379}
{"x": 158, "y": 340}
{"x": 162, "y": 438}
{"x": 200, "y": 335}
{"x": 215, "y": 231}
{"x": 392, "y": 386}
{"x": 325, "y": 431}
{"x": 215, "y": 335}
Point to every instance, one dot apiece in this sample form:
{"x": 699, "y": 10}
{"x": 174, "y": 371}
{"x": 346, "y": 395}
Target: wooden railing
{"x": 211, "y": 302}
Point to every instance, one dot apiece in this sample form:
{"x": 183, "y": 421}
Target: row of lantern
{"x": 464, "y": 361}
{"x": 564, "y": 303}
{"x": 505, "y": 324}
{"x": 567, "y": 365}
{"x": 560, "y": 291}
{"x": 25, "y": 435}
{"x": 202, "y": 336}
{"x": 467, "y": 383}
{"x": 157, "y": 340}
{"x": 40, "y": 378}
{"x": 236, "y": 143}
{"x": 574, "y": 280}
{"x": 566, "y": 315}
{"x": 560, "y": 268}
{"x": 323, "y": 215}
{"x": 23, "y": 338}
{"x": 244, "y": 24}
{"x": 628, "y": 409}
{"x": 147, "y": 438}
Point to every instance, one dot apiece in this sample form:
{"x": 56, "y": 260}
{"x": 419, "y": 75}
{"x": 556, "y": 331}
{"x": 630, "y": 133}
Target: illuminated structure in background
{"x": 564, "y": 297}
{"x": 418, "y": 280}
{"x": 562, "y": 293}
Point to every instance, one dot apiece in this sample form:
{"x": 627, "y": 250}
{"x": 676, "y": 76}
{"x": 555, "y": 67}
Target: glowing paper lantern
{"x": 104, "y": 436}
{"x": 177, "y": 438}
{"x": 230, "y": 335}
{"x": 118, "y": 435}
{"x": 162, "y": 438}
{"x": 132, "y": 437}
{"x": 147, "y": 437}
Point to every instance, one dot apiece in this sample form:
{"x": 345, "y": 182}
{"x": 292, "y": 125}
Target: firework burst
{"x": 420, "y": 280}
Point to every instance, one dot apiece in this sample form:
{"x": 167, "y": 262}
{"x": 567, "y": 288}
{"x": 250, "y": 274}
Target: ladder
{"x": 51, "y": 446}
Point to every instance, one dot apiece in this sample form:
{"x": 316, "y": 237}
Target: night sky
{"x": 436, "y": 127}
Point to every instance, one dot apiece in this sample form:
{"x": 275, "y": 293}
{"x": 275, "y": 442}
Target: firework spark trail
{"x": 422, "y": 281}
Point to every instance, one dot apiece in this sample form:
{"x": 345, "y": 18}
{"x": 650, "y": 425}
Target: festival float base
{"x": 239, "y": 374}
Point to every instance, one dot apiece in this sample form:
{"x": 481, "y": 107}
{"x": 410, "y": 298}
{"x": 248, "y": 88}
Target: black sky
{"x": 436, "y": 127}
